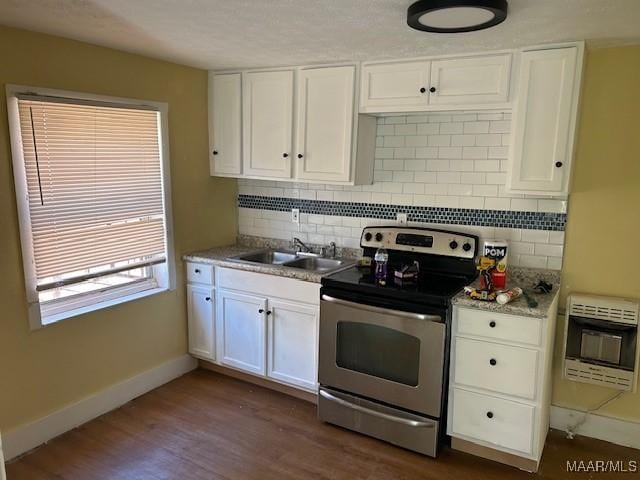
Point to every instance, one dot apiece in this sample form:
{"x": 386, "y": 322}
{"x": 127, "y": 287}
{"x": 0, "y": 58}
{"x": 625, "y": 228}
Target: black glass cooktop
{"x": 429, "y": 287}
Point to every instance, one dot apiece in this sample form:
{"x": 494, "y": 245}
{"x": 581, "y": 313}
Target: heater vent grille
{"x": 597, "y": 375}
{"x": 622, "y": 311}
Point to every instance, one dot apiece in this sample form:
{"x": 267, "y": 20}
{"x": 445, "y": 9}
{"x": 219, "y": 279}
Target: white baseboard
{"x": 614, "y": 430}
{"x": 29, "y": 436}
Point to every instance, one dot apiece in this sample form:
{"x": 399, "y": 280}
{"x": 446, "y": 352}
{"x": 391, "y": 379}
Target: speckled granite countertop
{"x": 219, "y": 256}
{"x": 525, "y": 278}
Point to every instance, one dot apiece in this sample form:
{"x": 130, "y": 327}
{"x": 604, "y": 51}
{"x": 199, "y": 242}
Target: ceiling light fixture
{"x": 454, "y": 16}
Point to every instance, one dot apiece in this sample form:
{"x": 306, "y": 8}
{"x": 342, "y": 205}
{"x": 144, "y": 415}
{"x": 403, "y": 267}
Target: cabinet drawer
{"x": 269, "y": 285}
{"x": 199, "y": 273}
{"x": 494, "y": 420}
{"x": 498, "y": 326}
{"x": 501, "y": 368}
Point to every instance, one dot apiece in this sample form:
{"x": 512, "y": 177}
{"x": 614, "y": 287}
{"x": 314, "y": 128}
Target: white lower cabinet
{"x": 500, "y": 384}
{"x": 494, "y": 420}
{"x": 262, "y": 324}
{"x": 292, "y": 343}
{"x": 200, "y": 315}
{"x": 241, "y": 320}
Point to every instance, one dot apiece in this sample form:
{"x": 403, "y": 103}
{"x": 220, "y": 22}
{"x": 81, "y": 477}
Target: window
{"x": 92, "y": 179}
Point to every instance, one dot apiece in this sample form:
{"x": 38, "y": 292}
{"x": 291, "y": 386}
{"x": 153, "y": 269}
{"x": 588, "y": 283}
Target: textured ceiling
{"x": 242, "y": 33}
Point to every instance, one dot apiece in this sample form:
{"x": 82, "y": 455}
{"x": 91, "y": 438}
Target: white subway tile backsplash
{"x": 476, "y": 127}
{"x": 548, "y": 250}
{"x": 406, "y": 152}
{"x": 462, "y": 165}
{"x": 524, "y": 204}
{"x": 426, "y": 152}
{"x": 487, "y": 166}
{"x": 454, "y": 127}
{"x": 438, "y": 165}
{"x": 428, "y": 129}
{"x": 463, "y": 140}
{"x": 499, "y": 126}
{"x": 406, "y": 129}
{"x": 430, "y": 160}
{"x": 450, "y": 152}
{"x": 402, "y": 176}
{"x": 474, "y": 152}
{"x": 381, "y": 198}
{"x": 439, "y": 140}
{"x": 416, "y": 165}
{"x": 535, "y": 236}
{"x": 494, "y": 203}
{"x": 425, "y": 177}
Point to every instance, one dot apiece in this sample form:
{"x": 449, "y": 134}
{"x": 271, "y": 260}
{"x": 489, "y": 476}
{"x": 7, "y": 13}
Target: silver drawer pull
{"x": 374, "y": 413}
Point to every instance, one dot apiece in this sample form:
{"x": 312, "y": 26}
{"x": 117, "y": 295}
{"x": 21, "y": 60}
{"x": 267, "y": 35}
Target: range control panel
{"x": 421, "y": 240}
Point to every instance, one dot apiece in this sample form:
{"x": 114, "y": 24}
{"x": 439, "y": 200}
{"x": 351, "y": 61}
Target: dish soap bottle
{"x": 381, "y": 258}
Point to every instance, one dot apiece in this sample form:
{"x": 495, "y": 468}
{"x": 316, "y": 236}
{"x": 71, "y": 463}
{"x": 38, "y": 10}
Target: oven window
{"x": 378, "y": 351}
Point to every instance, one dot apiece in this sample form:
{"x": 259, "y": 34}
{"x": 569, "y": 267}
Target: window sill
{"x": 49, "y": 320}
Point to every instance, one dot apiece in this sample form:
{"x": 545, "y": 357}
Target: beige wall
{"x": 44, "y": 370}
{"x": 603, "y": 230}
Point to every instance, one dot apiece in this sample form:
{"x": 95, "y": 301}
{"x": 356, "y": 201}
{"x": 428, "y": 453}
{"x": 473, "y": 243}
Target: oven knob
{"x": 466, "y": 247}
{"x": 378, "y": 237}
{"x": 367, "y": 236}
{"x": 453, "y": 244}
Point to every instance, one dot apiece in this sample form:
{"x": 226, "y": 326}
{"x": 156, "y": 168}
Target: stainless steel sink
{"x": 316, "y": 264}
{"x": 267, "y": 257}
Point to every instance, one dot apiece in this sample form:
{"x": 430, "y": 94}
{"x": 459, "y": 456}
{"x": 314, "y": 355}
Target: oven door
{"x": 387, "y": 355}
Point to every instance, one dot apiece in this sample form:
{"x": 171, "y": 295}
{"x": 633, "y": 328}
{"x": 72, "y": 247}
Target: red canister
{"x": 499, "y": 279}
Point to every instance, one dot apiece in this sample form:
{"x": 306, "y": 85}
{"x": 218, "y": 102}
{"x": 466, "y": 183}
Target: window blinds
{"x": 94, "y": 180}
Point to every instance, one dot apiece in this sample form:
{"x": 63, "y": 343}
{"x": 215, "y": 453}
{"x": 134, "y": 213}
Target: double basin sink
{"x": 304, "y": 261}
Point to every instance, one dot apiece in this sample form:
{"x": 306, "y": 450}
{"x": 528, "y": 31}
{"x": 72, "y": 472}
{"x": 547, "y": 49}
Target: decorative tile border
{"x": 453, "y": 216}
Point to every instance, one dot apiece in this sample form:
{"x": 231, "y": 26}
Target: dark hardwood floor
{"x": 208, "y": 426}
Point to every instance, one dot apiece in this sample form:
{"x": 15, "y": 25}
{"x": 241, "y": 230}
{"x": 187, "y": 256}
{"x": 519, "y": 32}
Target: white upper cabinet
{"x": 394, "y": 86}
{"x": 470, "y": 81}
{"x": 333, "y": 144}
{"x": 325, "y": 124}
{"x": 544, "y": 121}
{"x": 267, "y": 107}
{"x": 225, "y": 113}
{"x": 453, "y": 83}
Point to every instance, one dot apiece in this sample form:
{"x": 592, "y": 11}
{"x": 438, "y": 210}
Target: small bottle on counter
{"x": 505, "y": 297}
{"x": 381, "y": 258}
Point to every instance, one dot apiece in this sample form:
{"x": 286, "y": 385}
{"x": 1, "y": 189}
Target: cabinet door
{"x": 325, "y": 124}
{"x": 394, "y": 86}
{"x": 293, "y": 343}
{"x": 470, "y": 81}
{"x": 544, "y": 122}
{"x": 267, "y": 107}
{"x": 225, "y": 127}
{"x": 200, "y": 314}
{"x": 241, "y": 336}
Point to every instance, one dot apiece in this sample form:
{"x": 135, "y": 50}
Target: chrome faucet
{"x": 330, "y": 248}
{"x": 299, "y": 245}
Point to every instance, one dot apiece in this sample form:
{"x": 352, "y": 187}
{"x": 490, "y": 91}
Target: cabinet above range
{"x": 439, "y": 84}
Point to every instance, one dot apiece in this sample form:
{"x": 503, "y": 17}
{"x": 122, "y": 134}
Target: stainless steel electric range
{"x": 384, "y": 345}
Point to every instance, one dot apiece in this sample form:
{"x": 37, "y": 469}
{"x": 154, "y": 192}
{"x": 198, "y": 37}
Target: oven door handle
{"x": 386, "y": 311}
{"x": 374, "y": 413}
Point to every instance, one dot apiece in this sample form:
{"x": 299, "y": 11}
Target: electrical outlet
{"x": 295, "y": 215}
{"x": 401, "y": 218}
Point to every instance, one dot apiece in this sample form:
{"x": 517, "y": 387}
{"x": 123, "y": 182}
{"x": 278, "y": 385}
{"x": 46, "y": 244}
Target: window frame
{"x": 164, "y": 276}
